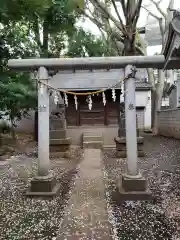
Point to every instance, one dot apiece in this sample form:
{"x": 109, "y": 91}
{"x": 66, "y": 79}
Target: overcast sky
{"x": 89, "y": 26}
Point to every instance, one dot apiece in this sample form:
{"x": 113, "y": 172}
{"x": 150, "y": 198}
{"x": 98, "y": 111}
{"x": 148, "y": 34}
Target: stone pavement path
{"x": 86, "y": 215}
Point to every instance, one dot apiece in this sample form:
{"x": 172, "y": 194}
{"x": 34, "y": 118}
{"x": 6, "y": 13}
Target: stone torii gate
{"x": 133, "y": 185}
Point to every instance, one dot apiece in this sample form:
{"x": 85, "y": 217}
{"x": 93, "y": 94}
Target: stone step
{"x": 57, "y": 134}
{"x": 93, "y": 144}
{"x": 91, "y": 138}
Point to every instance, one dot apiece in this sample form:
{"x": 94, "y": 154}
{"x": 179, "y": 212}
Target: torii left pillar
{"x": 44, "y": 184}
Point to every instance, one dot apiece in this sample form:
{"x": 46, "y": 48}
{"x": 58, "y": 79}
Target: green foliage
{"x": 38, "y": 28}
{"x": 18, "y": 96}
{"x": 17, "y": 10}
{"x": 83, "y": 44}
{"x": 17, "y": 92}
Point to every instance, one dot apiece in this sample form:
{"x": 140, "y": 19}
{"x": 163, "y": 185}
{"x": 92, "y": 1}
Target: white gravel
{"x": 25, "y": 218}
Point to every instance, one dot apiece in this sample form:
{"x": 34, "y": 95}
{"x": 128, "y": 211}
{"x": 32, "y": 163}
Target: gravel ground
{"x": 160, "y": 218}
{"x": 25, "y": 218}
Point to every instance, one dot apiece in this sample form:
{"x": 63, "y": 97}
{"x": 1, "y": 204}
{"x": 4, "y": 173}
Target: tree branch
{"x": 119, "y": 17}
{"x": 136, "y": 13}
{"x": 93, "y": 20}
{"x": 111, "y": 32}
{"x": 123, "y": 7}
{"x": 107, "y": 13}
{"x": 159, "y": 9}
{"x": 150, "y": 13}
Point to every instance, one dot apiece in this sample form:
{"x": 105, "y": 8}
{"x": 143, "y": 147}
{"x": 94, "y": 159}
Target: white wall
{"x": 143, "y": 99}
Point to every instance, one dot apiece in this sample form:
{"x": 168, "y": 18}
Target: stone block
{"x": 122, "y": 132}
{"x": 60, "y": 154}
{"x": 140, "y": 140}
{"x": 131, "y": 184}
{"x": 141, "y": 153}
{"x": 132, "y": 190}
{"x": 66, "y": 141}
{"x": 122, "y": 153}
{"x": 121, "y": 147}
{"x": 43, "y": 187}
{"x": 59, "y": 148}
{"x": 56, "y": 124}
{"x": 58, "y": 134}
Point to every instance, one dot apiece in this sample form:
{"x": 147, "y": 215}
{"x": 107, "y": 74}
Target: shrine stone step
{"x": 93, "y": 144}
{"x": 90, "y": 138}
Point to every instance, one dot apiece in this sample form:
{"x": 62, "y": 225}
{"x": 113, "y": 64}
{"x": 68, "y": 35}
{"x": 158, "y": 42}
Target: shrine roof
{"x": 98, "y": 79}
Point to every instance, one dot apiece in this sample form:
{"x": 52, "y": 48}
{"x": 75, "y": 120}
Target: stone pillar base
{"x": 121, "y": 147}
{"x": 132, "y": 189}
{"x": 43, "y": 186}
{"x": 60, "y": 148}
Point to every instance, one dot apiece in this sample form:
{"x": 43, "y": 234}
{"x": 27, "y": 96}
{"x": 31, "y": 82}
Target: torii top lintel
{"x": 92, "y": 63}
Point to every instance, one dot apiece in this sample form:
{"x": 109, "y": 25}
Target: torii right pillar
{"x": 132, "y": 186}
{"x": 121, "y": 149}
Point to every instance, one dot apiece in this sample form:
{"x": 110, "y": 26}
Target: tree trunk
{"x": 158, "y": 99}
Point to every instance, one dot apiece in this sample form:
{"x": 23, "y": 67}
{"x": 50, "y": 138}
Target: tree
{"x": 32, "y": 28}
{"x": 18, "y": 94}
{"x": 122, "y": 31}
{"x": 115, "y": 28}
{"x": 83, "y": 44}
{"x": 163, "y": 19}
